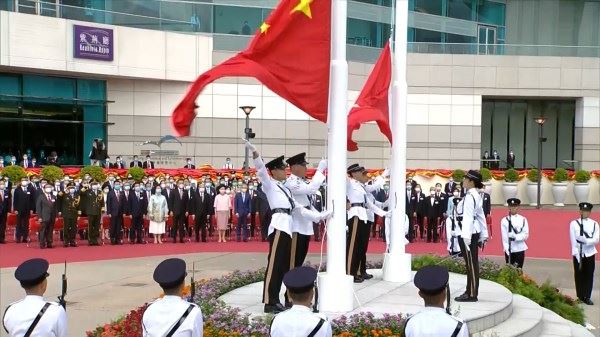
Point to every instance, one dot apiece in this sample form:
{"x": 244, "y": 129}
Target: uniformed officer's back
{"x": 434, "y": 320}
{"x": 171, "y": 314}
{"x": 300, "y": 321}
{"x": 20, "y": 317}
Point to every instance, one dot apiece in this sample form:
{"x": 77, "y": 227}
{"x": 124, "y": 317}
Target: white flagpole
{"x": 335, "y": 287}
{"x": 397, "y": 266}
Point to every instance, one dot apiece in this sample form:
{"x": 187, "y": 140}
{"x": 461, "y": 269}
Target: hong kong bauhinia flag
{"x": 289, "y": 54}
{"x": 372, "y": 104}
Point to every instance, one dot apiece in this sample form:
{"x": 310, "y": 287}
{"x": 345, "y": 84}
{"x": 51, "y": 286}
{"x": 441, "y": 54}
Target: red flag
{"x": 289, "y": 54}
{"x": 372, "y": 103}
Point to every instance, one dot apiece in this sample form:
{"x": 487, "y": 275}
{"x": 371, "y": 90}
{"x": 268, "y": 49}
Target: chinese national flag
{"x": 289, "y": 54}
{"x": 372, "y": 103}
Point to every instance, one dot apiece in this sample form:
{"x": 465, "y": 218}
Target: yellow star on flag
{"x": 304, "y": 7}
{"x": 264, "y": 27}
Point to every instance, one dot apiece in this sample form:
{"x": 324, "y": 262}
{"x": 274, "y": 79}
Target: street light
{"x": 247, "y": 109}
{"x": 540, "y": 121}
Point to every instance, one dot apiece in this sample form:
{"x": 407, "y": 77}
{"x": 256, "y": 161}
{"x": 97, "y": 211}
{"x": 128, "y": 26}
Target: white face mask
{"x": 48, "y": 190}
{"x": 455, "y": 194}
{"x": 95, "y": 187}
{"x": 432, "y": 192}
{"x": 417, "y": 190}
{"x": 201, "y": 190}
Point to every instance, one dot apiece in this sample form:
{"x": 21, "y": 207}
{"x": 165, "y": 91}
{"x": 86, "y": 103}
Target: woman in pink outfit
{"x": 222, "y": 209}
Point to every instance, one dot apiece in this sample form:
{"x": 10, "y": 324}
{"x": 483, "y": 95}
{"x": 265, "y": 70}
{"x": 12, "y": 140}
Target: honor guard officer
{"x": 282, "y": 205}
{"x": 172, "y": 315}
{"x": 585, "y": 234}
{"x": 434, "y": 321}
{"x": 300, "y": 321}
{"x": 515, "y": 231}
{"x": 453, "y": 229}
{"x": 302, "y": 228}
{"x": 93, "y": 208}
{"x": 33, "y": 316}
{"x": 473, "y": 233}
{"x": 358, "y": 231}
{"x": 69, "y": 209}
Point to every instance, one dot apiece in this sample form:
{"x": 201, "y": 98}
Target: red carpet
{"x": 549, "y": 238}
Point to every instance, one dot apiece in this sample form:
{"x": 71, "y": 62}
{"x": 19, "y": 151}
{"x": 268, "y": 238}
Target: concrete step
{"x": 555, "y": 326}
{"x": 525, "y": 321}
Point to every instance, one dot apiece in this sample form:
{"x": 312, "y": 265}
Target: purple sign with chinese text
{"x": 93, "y": 43}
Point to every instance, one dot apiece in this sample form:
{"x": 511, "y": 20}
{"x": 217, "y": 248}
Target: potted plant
{"x": 52, "y": 173}
{"x": 582, "y": 186}
{"x": 458, "y": 175}
{"x": 510, "y": 184}
{"x": 96, "y": 172}
{"x": 486, "y": 176}
{"x": 532, "y": 180}
{"x": 559, "y": 186}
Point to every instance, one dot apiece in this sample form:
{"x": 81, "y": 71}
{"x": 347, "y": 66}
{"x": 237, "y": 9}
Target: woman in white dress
{"x": 157, "y": 212}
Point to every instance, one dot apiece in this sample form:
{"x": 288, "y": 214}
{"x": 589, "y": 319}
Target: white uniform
{"x": 588, "y": 246}
{"x": 301, "y": 192}
{"x": 19, "y": 316}
{"x": 279, "y": 196}
{"x": 162, "y": 314}
{"x": 299, "y": 321}
{"x": 520, "y": 233}
{"x": 452, "y": 235}
{"x": 357, "y": 194}
{"x": 471, "y": 209}
{"x": 434, "y": 322}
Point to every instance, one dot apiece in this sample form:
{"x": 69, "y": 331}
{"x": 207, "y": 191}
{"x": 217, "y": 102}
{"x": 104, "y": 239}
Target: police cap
{"x": 276, "y": 164}
{"x": 32, "y": 272}
{"x": 300, "y": 280}
{"x": 170, "y": 273}
{"x": 585, "y": 206}
{"x": 513, "y": 202}
{"x": 432, "y": 280}
{"x": 299, "y": 159}
{"x": 355, "y": 168}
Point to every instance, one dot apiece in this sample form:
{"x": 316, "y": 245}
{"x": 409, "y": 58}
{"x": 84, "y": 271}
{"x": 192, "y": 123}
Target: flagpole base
{"x": 336, "y": 293}
{"x": 397, "y": 267}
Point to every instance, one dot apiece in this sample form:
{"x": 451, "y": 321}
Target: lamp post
{"x": 247, "y": 109}
{"x": 540, "y": 121}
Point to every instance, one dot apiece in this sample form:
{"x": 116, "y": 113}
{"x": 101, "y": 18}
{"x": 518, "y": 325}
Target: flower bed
{"x": 221, "y": 320}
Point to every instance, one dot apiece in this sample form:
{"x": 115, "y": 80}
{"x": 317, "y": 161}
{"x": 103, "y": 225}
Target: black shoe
{"x": 180, "y": 240}
{"x": 245, "y": 240}
{"x": 274, "y": 308}
{"x": 74, "y": 244}
{"x": 465, "y": 298}
{"x": 2, "y": 242}
{"x": 367, "y": 276}
{"x": 49, "y": 246}
{"x": 588, "y": 301}
{"x": 358, "y": 279}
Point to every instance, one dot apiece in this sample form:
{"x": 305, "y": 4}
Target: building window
{"x": 367, "y": 33}
{"x": 509, "y": 125}
{"x": 461, "y": 9}
{"x": 492, "y": 13}
{"x": 423, "y": 35}
{"x": 238, "y": 20}
{"x": 433, "y": 7}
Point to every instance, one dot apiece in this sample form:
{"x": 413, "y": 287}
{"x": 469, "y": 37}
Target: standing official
{"x": 5, "y": 203}
{"x": 33, "y": 316}
{"x": 69, "y": 209}
{"x": 138, "y": 207}
{"x": 148, "y": 164}
{"x": 434, "y": 321}
{"x": 46, "y": 210}
{"x": 171, "y": 315}
{"x": 515, "y": 231}
{"x": 135, "y": 162}
{"x": 300, "y": 321}
{"x": 93, "y": 208}
{"x": 200, "y": 206}
{"x": 510, "y": 160}
{"x": 302, "y": 228}
{"x": 188, "y": 164}
{"x": 115, "y": 209}
{"x": 431, "y": 209}
{"x": 280, "y": 228}
{"x": 178, "y": 207}
{"x": 23, "y": 206}
{"x": 585, "y": 234}
{"x": 243, "y": 208}
{"x": 473, "y": 233}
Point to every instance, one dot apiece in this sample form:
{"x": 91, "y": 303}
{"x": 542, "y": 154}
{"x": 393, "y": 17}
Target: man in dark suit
{"x": 115, "y": 205}
{"x": 242, "y": 207}
{"x": 264, "y": 211}
{"x": 188, "y": 164}
{"x": 46, "y": 210}
{"x": 34, "y": 163}
{"x": 148, "y": 164}
{"x": 110, "y": 182}
{"x": 431, "y": 209}
{"x": 449, "y": 187}
{"x": 496, "y": 163}
{"x": 26, "y": 163}
{"x": 23, "y": 206}
{"x": 119, "y": 164}
{"x": 179, "y": 212}
{"x": 510, "y": 160}
{"x": 138, "y": 207}
{"x": 416, "y": 209}
{"x": 487, "y": 209}
{"x": 5, "y": 203}
{"x": 200, "y": 205}
{"x": 486, "y": 157}
{"x": 135, "y": 162}
{"x": 443, "y": 200}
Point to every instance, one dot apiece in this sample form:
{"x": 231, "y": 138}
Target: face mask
{"x": 127, "y": 188}
{"x": 137, "y": 188}
{"x": 385, "y": 188}
{"x": 432, "y": 192}
{"x": 180, "y": 186}
{"x": 255, "y": 185}
{"x": 117, "y": 187}
{"x": 2, "y": 187}
{"x": 72, "y": 191}
{"x": 48, "y": 190}
{"x": 408, "y": 188}
{"x": 111, "y": 179}
{"x": 207, "y": 185}
{"x": 187, "y": 188}
{"x": 106, "y": 191}
{"x": 86, "y": 177}
{"x": 226, "y": 179}
{"x": 251, "y": 187}
{"x": 455, "y": 194}
{"x": 24, "y": 183}
{"x": 451, "y": 179}
{"x": 417, "y": 190}
{"x": 13, "y": 160}
{"x": 221, "y": 191}
{"x": 33, "y": 162}
{"x": 157, "y": 191}
{"x": 151, "y": 179}
{"x": 95, "y": 187}
{"x": 148, "y": 188}
{"x": 6, "y": 178}
{"x": 227, "y": 191}
{"x": 36, "y": 180}
{"x": 148, "y": 159}
{"x": 163, "y": 185}
{"x": 135, "y": 159}
{"x": 189, "y": 162}
{"x": 438, "y": 189}
{"x": 244, "y": 189}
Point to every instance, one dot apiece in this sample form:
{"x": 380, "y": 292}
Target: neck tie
{"x": 49, "y": 199}
{"x": 117, "y": 194}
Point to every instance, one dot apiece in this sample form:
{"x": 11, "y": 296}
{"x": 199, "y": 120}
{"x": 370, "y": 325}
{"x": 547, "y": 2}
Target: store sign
{"x": 93, "y": 43}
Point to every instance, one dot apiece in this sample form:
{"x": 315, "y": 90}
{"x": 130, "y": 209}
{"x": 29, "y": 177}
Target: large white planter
{"x": 488, "y": 187}
{"x": 509, "y": 190}
{"x": 532, "y": 193}
{"x": 559, "y": 191}
{"x": 582, "y": 191}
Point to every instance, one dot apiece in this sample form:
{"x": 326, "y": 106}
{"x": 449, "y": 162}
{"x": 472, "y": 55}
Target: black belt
{"x": 282, "y": 210}
{"x": 358, "y": 204}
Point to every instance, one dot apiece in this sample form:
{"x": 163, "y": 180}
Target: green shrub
{"x": 52, "y": 173}
{"x": 96, "y": 172}
{"x": 533, "y": 175}
{"x": 486, "y": 174}
{"x": 136, "y": 173}
{"x": 458, "y": 175}
{"x": 560, "y": 175}
{"x": 582, "y": 176}
{"x": 511, "y": 176}
{"x": 14, "y": 173}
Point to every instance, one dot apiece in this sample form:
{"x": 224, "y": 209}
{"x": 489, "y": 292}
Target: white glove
{"x": 322, "y": 165}
{"x": 386, "y": 173}
{"x": 326, "y": 215}
{"x": 467, "y": 242}
{"x": 512, "y": 235}
{"x": 388, "y": 214}
{"x": 249, "y": 145}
